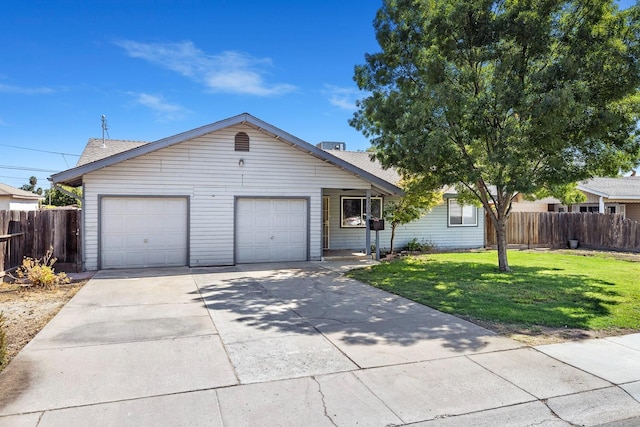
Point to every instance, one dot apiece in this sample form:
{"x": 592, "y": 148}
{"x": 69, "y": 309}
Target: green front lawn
{"x": 552, "y": 289}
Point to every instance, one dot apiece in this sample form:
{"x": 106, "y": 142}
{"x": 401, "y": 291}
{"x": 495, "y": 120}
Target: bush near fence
{"x": 32, "y": 233}
{"x": 554, "y": 229}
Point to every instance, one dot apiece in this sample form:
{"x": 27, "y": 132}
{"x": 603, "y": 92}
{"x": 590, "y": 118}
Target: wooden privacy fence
{"x": 31, "y": 234}
{"x": 554, "y": 230}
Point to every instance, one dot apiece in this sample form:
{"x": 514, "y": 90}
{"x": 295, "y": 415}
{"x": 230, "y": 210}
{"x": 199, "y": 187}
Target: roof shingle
{"x": 96, "y": 151}
{"x": 624, "y": 187}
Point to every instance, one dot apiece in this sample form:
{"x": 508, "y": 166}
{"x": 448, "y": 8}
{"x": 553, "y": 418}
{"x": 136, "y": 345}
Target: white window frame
{"x": 594, "y": 208}
{"x": 464, "y": 209}
{"x": 363, "y": 209}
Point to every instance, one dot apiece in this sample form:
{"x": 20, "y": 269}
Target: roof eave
{"x": 592, "y": 191}
{"x": 19, "y": 197}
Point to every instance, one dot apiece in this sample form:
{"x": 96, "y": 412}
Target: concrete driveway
{"x": 298, "y": 345}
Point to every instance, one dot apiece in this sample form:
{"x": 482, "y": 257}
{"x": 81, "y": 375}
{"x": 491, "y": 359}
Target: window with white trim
{"x": 353, "y": 211}
{"x": 462, "y": 215}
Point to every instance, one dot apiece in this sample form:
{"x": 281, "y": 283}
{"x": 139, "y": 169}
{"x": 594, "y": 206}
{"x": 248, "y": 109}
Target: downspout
{"x": 601, "y": 205}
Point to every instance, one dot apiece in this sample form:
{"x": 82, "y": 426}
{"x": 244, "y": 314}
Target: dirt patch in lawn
{"x": 27, "y": 311}
{"x": 540, "y": 335}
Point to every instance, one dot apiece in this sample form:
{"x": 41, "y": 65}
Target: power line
{"x": 14, "y": 177}
{"x": 23, "y": 168}
{"x": 41, "y": 151}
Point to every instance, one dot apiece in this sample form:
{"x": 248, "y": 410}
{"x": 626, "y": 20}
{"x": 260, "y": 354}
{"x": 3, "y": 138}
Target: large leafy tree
{"x": 501, "y": 98}
{"x": 55, "y": 197}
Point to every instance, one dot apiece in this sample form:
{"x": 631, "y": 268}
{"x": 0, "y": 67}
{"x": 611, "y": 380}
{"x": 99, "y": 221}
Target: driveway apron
{"x": 296, "y": 344}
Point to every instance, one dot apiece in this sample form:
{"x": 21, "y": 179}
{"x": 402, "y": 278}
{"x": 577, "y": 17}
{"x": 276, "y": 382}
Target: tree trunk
{"x": 501, "y": 237}
{"x": 393, "y": 236}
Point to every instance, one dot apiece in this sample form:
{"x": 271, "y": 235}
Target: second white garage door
{"x": 143, "y": 232}
{"x": 270, "y": 230}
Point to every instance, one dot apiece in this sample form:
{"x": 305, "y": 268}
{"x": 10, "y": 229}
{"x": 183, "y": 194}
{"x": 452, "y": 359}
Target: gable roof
{"x": 96, "y": 150}
{"x": 17, "y": 193}
{"x": 73, "y": 177}
{"x": 620, "y": 188}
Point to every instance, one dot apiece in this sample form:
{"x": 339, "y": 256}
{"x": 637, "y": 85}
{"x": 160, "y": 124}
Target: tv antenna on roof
{"x": 105, "y": 128}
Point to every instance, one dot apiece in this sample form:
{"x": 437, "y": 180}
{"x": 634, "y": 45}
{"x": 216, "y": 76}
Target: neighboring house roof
{"x": 363, "y": 160}
{"x": 17, "y": 193}
{"x": 621, "y": 188}
{"x": 96, "y": 150}
{"x": 73, "y": 177}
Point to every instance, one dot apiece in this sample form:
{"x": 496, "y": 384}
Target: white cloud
{"x": 228, "y": 71}
{"x": 164, "y": 110}
{"x": 342, "y": 97}
{"x": 25, "y": 90}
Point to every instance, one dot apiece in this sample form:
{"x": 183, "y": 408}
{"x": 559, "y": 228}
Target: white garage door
{"x": 269, "y": 230}
{"x": 143, "y": 232}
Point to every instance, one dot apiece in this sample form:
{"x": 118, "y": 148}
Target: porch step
{"x": 344, "y": 255}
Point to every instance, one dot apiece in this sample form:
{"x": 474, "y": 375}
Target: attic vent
{"x": 242, "y": 141}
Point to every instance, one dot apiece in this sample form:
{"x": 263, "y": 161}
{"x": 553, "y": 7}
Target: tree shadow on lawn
{"x": 312, "y": 299}
{"x": 527, "y": 296}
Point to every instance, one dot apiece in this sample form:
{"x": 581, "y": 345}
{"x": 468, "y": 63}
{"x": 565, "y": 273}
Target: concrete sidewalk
{"x": 298, "y": 344}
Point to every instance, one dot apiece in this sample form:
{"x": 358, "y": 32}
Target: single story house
{"x": 240, "y": 190}
{"x": 619, "y": 195}
{"x": 15, "y": 199}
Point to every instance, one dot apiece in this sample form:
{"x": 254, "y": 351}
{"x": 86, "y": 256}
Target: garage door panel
{"x": 113, "y": 258}
{"x": 133, "y": 223}
{"x": 297, "y": 237}
{"x": 261, "y": 220}
{"x": 143, "y": 232}
{"x": 114, "y": 206}
{"x": 136, "y": 206}
{"x": 134, "y": 259}
{"x": 269, "y": 230}
{"x": 281, "y": 220}
{"x": 261, "y": 205}
{"x": 113, "y": 241}
{"x": 297, "y": 222}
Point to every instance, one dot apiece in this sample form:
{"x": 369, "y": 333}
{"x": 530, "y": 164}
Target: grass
{"x": 550, "y": 289}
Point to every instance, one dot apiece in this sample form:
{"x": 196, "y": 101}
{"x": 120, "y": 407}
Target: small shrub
{"x": 40, "y": 273}
{"x": 3, "y": 343}
{"x": 414, "y": 245}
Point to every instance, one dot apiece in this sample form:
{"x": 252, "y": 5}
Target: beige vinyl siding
{"x": 526, "y": 206}
{"x": 592, "y": 198}
{"x": 633, "y": 211}
{"x": 431, "y": 228}
{"x": 206, "y": 169}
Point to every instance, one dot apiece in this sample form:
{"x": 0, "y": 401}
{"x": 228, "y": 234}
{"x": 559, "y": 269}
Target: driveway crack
{"x": 324, "y": 403}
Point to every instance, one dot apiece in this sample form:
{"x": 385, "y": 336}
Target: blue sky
{"x": 157, "y": 68}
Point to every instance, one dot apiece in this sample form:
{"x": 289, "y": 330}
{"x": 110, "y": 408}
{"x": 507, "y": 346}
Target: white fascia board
{"x": 592, "y": 191}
